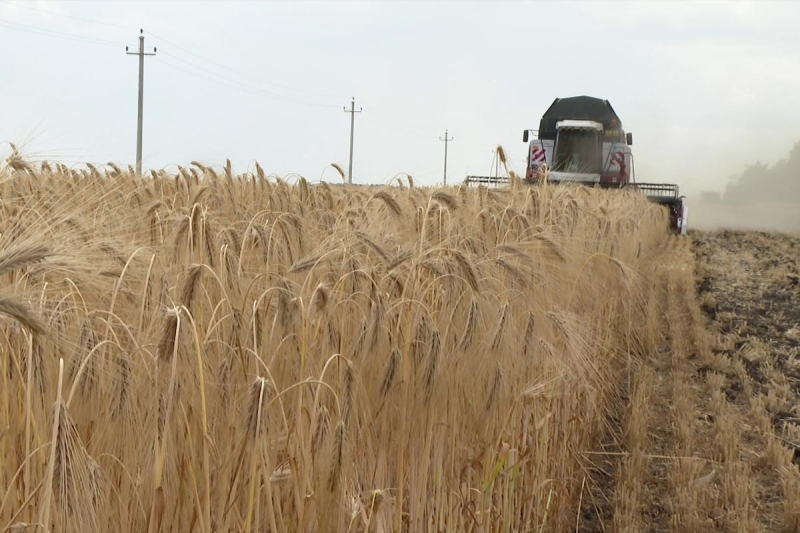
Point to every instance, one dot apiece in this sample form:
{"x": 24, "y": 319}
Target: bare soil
{"x": 716, "y": 447}
{"x": 754, "y": 279}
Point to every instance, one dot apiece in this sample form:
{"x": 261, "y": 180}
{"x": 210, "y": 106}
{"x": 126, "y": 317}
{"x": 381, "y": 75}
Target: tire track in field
{"x": 749, "y": 286}
{"x": 627, "y": 484}
{"x": 708, "y": 440}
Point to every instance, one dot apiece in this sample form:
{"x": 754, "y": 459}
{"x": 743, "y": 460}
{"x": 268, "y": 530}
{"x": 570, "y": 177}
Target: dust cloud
{"x": 762, "y": 198}
{"x": 782, "y": 217}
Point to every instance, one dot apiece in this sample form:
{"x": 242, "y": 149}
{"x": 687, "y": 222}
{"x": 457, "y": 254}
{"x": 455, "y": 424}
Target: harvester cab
{"x": 580, "y": 139}
{"x": 578, "y": 151}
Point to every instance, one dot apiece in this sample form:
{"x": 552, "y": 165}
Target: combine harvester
{"x": 581, "y": 140}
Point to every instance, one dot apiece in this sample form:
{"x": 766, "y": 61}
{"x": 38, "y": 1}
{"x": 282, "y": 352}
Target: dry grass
{"x": 752, "y": 277}
{"x": 243, "y": 354}
{"x": 707, "y": 440}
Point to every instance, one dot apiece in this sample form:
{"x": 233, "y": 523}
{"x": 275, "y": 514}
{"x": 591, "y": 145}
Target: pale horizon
{"x": 705, "y": 88}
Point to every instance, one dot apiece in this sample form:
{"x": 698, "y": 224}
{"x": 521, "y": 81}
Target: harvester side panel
{"x": 617, "y": 163}
{"x": 540, "y": 153}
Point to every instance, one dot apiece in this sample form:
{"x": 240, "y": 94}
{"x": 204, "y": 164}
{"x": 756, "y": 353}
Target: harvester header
{"x": 581, "y": 140}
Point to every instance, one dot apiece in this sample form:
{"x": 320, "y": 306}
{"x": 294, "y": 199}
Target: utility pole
{"x": 141, "y": 55}
{"x": 446, "y": 140}
{"x": 352, "y": 112}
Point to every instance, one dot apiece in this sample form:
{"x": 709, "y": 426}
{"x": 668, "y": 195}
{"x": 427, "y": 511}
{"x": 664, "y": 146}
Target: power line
{"x": 223, "y": 80}
{"x": 58, "y": 34}
{"x": 246, "y": 89}
{"x": 402, "y": 129}
{"x": 141, "y": 53}
{"x": 185, "y": 50}
{"x": 110, "y": 24}
{"x": 91, "y": 40}
{"x": 249, "y": 89}
{"x": 196, "y": 75}
{"x": 232, "y": 83}
{"x": 245, "y": 85}
{"x": 405, "y": 125}
{"x": 235, "y": 71}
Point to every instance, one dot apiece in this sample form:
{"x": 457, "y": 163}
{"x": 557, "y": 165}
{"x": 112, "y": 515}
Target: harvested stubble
{"x": 241, "y": 353}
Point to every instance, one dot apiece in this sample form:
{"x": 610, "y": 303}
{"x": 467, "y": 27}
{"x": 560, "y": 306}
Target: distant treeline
{"x": 761, "y": 183}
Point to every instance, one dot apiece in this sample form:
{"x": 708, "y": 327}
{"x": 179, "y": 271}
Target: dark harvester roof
{"x": 577, "y": 108}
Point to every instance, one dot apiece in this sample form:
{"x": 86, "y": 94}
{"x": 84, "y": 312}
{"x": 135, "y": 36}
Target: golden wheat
{"x": 251, "y": 355}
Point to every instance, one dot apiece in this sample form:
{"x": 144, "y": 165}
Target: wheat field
{"x": 206, "y": 351}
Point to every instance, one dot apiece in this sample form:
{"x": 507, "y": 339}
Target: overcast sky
{"x": 706, "y": 88}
